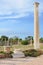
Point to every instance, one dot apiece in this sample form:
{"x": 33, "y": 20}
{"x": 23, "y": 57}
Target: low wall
{"x": 5, "y": 48}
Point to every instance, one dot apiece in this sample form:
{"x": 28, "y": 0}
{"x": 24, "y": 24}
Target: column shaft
{"x": 36, "y": 27}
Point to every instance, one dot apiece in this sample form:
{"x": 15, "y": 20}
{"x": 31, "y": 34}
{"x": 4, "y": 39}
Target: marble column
{"x": 36, "y": 26}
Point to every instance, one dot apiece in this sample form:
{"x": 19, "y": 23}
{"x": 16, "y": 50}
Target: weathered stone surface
{"x": 18, "y": 53}
{"x": 36, "y": 26}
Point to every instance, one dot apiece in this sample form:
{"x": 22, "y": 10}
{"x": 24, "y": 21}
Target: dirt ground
{"x": 23, "y": 61}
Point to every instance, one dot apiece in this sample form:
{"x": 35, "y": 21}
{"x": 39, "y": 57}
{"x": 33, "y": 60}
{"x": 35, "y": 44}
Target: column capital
{"x": 36, "y": 3}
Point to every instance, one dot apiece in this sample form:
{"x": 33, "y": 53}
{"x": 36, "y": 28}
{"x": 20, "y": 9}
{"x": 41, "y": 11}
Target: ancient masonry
{"x": 36, "y": 26}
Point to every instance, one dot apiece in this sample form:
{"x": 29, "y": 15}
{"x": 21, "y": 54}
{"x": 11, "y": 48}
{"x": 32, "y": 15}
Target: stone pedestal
{"x": 18, "y": 54}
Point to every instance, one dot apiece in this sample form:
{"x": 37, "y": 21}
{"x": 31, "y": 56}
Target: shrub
{"x": 6, "y": 55}
{"x": 1, "y": 52}
{"x": 32, "y": 53}
{"x": 24, "y": 42}
{"x": 11, "y": 52}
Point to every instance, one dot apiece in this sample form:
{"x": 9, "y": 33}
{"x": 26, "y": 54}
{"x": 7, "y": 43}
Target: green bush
{"x": 24, "y": 42}
{"x": 2, "y": 52}
{"x": 5, "y": 54}
{"x": 32, "y": 53}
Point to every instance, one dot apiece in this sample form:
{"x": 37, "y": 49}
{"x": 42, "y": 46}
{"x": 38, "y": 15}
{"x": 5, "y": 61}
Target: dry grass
{"x": 22, "y": 47}
{"x": 26, "y": 47}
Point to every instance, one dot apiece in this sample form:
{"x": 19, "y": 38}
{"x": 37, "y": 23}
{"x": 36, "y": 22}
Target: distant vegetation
{"x": 24, "y": 42}
{"x": 4, "y": 40}
{"x": 41, "y": 40}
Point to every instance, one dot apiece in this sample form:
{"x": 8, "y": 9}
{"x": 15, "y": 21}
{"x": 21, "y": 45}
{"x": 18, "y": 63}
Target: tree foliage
{"x": 29, "y": 38}
{"x": 3, "y": 38}
{"x": 24, "y": 42}
{"x": 41, "y": 40}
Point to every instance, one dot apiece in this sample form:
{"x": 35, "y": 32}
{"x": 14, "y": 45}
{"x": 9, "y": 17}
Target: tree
{"x": 29, "y": 38}
{"x": 15, "y": 40}
{"x": 24, "y": 42}
{"x": 41, "y": 40}
{"x": 3, "y": 38}
{"x": 20, "y": 39}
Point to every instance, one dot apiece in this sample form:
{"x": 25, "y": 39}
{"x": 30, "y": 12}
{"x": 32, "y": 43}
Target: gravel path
{"x": 22, "y": 61}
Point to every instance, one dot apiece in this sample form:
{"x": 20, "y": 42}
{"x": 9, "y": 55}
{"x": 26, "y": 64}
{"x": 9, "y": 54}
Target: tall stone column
{"x": 36, "y": 26}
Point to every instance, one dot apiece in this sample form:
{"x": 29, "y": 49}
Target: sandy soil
{"x": 23, "y": 61}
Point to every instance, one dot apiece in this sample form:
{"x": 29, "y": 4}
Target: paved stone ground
{"x": 22, "y": 61}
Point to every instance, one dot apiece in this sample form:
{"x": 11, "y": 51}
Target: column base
{"x": 36, "y": 46}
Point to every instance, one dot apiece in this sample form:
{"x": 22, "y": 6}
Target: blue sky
{"x": 17, "y": 18}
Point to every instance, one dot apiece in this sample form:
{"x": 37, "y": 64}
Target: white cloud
{"x": 7, "y": 7}
{"x": 20, "y": 7}
{"x": 16, "y": 16}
